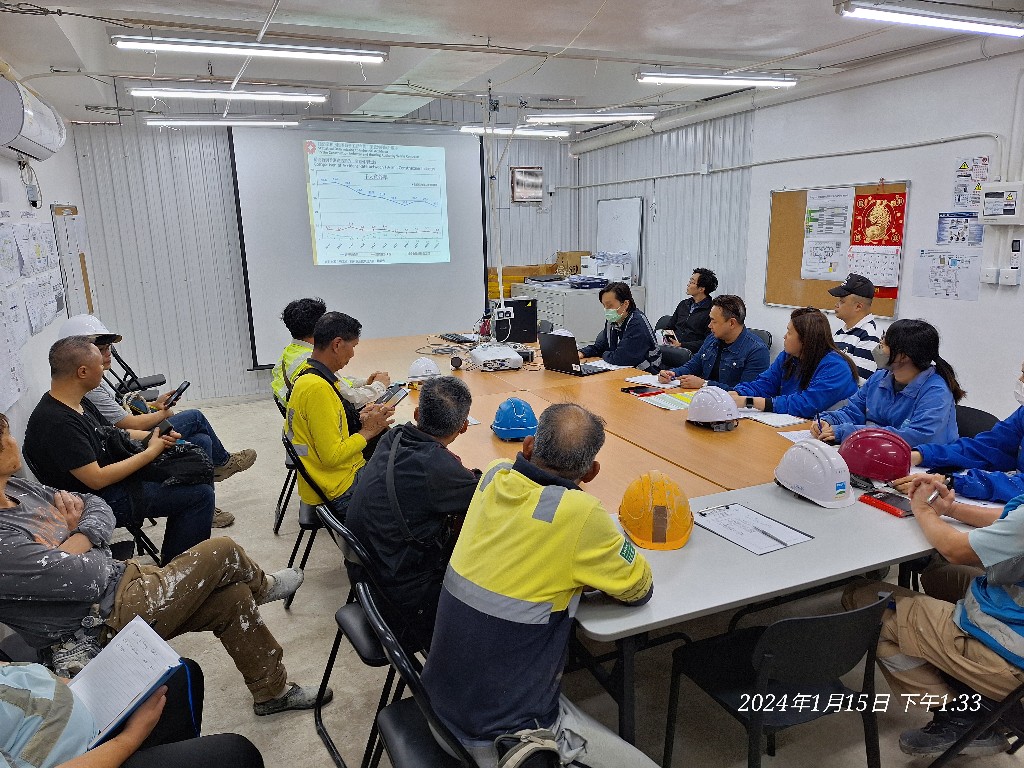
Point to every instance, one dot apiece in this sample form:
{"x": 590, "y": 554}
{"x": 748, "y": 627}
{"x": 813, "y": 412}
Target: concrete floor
{"x": 706, "y": 736}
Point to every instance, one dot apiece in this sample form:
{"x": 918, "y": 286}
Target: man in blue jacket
{"x": 730, "y": 354}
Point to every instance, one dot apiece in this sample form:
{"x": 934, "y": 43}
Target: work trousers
{"x": 193, "y": 426}
{"x": 212, "y": 587}
{"x": 919, "y": 642}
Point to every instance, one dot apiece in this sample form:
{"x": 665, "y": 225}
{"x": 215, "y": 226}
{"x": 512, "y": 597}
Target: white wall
{"x": 981, "y": 339}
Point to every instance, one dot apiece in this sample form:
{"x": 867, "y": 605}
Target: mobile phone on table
{"x": 392, "y": 396}
{"x": 176, "y": 394}
{"x": 642, "y": 389}
{"x": 893, "y": 503}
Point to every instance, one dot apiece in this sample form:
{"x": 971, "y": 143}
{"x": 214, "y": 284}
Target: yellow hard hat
{"x": 655, "y": 512}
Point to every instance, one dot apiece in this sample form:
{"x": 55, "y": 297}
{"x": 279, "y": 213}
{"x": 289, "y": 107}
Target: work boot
{"x": 222, "y": 519}
{"x": 295, "y": 697}
{"x": 239, "y": 461}
{"x": 944, "y": 730}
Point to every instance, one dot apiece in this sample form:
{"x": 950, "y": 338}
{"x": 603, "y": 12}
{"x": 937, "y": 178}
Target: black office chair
{"x": 353, "y": 624}
{"x": 290, "y": 478}
{"x": 664, "y": 323}
{"x": 764, "y": 336}
{"x": 1007, "y": 714}
{"x": 791, "y": 657}
{"x": 971, "y": 422}
{"x": 673, "y": 357}
{"x": 406, "y": 724}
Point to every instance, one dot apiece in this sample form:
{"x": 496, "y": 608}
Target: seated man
{"x": 66, "y": 449}
{"x": 192, "y": 425}
{"x": 531, "y": 542}
{"x": 978, "y": 640}
{"x": 59, "y": 585}
{"x": 688, "y": 326}
{"x": 328, "y": 433}
{"x": 411, "y": 538}
{"x": 993, "y": 461}
{"x": 858, "y": 336}
{"x": 300, "y": 316}
{"x": 730, "y": 354}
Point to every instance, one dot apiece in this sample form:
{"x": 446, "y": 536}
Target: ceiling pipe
{"x": 955, "y": 54}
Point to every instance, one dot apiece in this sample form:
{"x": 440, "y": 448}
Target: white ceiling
{"x": 588, "y": 50}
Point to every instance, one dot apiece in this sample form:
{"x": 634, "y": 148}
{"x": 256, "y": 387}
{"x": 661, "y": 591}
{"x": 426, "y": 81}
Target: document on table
{"x": 674, "y": 401}
{"x": 771, "y": 419}
{"x": 797, "y": 435}
{"x": 751, "y": 530}
{"x": 650, "y": 380}
{"x": 605, "y": 365}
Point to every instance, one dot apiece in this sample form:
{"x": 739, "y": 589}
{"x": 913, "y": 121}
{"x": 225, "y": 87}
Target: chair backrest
{"x": 973, "y": 421}
{"x": 281, "y": 407}
{"x": 818, "y": 648}
{"x": 409, "y": 670}
{"x": 673, "y": 357}
{"x": 663, "y": 323}
{"x": 357, "y": 552}
{"x": 301, "y": 468}
{"x": 545, "y": 326}
{"x": 764, "y": 336}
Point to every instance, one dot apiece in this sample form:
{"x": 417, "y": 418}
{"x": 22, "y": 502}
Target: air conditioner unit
{"x": 28, "y": 125}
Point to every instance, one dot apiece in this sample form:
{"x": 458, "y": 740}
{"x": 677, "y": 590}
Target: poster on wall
{"x": 948, "y": 273}
{"x": 959, "y": 228}
{"x": 878, "y": 219}
{"x": 827, "y": 220}
{"x": 968, "y": 176}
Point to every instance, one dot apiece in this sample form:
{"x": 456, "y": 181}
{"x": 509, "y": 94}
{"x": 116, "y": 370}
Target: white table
{"x": 711, "y": 574}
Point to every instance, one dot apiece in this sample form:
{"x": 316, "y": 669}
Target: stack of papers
{"x": 675, "y": 401}
{"x": 606, "y": 365}
{"x": 797, "y": 435}
{"x": 771, "y": 419}
{"x": 650, "y": 380}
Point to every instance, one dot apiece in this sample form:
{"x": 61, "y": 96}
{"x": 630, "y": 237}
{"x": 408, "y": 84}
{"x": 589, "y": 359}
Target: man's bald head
{"x": 568, "y": 440}
{"x": 70, "y": 354}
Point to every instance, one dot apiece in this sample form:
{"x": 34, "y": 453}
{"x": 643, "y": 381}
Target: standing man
{"x": 858, "y": 336}
{"x": 531, "y": 542}
{"x": 689, "y": 323}
{"x": 729, "y": 355}
{"x": 321, "y": 424}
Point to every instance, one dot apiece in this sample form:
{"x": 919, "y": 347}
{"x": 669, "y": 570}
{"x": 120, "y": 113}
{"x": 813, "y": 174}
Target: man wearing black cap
{"x": 858, "y": 336}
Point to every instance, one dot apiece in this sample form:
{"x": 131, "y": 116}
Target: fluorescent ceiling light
{"x": 525, "y": 132}
{"x": 180, "y": 122}
{"x": 248, "y": 48}
{"x": 703, "y": 77}
{"x": 590, "y": 117}
{"x": 204, "y": 93}
{"x": 921, "y": 13}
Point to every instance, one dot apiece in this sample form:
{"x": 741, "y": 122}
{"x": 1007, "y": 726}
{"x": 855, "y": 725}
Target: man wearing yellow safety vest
{"x": 531, "y": 542}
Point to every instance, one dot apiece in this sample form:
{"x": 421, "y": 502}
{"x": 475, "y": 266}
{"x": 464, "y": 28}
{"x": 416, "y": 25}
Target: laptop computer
{"x": 559, "y": 354}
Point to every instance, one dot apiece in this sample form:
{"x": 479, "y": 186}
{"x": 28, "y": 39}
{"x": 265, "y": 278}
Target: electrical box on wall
{"x": 1001, "y": 203}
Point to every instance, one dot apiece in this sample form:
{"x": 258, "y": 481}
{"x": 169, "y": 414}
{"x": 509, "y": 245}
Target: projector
{"x": 495, "y": 357}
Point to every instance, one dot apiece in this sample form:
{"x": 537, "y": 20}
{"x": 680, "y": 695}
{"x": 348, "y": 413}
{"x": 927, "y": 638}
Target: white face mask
{"x": 1018, "y": 392}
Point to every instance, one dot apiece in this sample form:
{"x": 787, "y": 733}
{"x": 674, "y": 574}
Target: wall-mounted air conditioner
{"x": 28, "y": 124}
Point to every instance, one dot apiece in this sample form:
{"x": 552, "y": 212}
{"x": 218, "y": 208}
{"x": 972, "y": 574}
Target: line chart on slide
{"x": 377, "y": 203}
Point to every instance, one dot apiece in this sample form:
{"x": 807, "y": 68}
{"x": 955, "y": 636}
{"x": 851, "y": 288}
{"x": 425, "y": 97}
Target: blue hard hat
{"x": 514, "y": 420}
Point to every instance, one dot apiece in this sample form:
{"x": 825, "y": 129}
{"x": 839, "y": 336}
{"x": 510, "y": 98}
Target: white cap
{"x": 88, "y": 325}
{"x": 817, "y": 472}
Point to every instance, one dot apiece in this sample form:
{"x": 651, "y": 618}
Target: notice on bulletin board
{"x": 968, "y": 176}
{"x": 827, "y": 220}
{"x": 948, "y": 273}
{"x": 959, "y": 228}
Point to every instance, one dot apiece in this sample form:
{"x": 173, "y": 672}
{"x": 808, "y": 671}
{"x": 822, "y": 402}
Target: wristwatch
{"x": 749, "y": 403}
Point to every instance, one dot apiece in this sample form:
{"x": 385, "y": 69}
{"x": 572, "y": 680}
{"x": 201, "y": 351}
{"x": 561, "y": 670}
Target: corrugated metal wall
{"x": 689, "y": 221}
{"x": 165, "y": 267}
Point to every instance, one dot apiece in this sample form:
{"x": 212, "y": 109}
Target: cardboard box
{"x": 568, "y": 262}
{"x": 512, "y": 275}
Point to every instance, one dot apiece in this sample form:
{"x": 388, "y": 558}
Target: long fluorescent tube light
{"x": 248, "y": 48}
{"x": 590, "y": 117}
{"x": 525, "y": 132}
{"x": 936, "y": 16}
{"x": 739, "y": 80}
{"x": 180, "y": 122}
{"x": 202, "y": 93}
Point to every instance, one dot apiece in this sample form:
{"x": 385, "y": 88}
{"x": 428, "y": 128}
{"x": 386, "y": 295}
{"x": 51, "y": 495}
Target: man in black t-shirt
{"x": 64, "y": 450}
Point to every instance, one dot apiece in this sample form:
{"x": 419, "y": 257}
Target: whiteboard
{"x": 619, "y": 227}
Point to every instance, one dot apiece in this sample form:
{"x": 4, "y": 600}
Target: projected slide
{"x": 377, "y": 203}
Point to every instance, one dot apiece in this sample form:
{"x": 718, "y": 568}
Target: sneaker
{"x": 944, "y": 730}
{"x": 296, "y": 697}
{"x": 283, "y": 585}
{"x": 71, "y": 656}
{"x": 222, "y": 519}
{"x": 239, "y": 461}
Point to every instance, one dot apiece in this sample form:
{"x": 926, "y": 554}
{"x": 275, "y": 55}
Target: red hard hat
{"x": 876, "y": 454}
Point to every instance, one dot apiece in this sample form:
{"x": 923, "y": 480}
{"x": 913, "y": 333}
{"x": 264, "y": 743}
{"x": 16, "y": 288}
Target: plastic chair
{"x": 1007, "y": 713}
{"x": 408, "y": 726}
{"x": 970, "y": 422}
{"x": 764, "y": 336}
{"x": 793, "y": 657}
{"x": 673, "y": 357}
{"x": 290, "y": 478}
{"x": 664, "y": 323}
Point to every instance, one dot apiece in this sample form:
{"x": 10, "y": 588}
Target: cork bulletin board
{"x": 784, "y": 285}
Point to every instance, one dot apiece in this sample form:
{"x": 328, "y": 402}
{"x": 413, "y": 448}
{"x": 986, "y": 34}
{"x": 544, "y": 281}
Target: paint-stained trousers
{"x": 211, "y": 587}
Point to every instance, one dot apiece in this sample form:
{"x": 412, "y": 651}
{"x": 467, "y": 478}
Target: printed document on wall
{"x": 878, "y": 263}
{"x": 15, "y": 316}
{"x": 946, "y": 273}
{"x": 824, "y": 259}
{"x": 12, "y": 375}
{"x": 968, "y": 175}
{"x": 959, "y": 228}
{"x": 829, "y": 212}
{"x": 10, "y": 264}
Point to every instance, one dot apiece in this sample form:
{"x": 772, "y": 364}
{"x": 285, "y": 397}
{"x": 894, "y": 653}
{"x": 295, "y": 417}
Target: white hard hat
{"x": 713, "y": 407}
{"x": 423, "y": 368}
{"x": 88, "y": 325}
{"x": 817, "y": 472}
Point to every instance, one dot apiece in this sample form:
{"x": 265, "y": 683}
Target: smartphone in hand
{"x": 176, "y": 394}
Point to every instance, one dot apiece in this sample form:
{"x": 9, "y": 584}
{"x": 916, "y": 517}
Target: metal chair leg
{"x": 318, "y": 718}
{"x": 283, "y": 499}
{"x": 302, "y": 563}
{"x": 673, "y": 712}
{"x": 295, "y": 549}
{"x": 371, "y": 741}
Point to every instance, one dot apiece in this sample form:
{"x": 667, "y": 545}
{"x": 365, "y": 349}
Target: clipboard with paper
{"x": 751, "y": 530}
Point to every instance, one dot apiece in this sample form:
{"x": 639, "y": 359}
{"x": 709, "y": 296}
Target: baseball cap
{"x": 858, "y": 285}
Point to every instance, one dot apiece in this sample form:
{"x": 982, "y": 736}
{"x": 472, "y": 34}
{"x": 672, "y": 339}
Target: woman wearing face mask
{"x": 627, "y": 338}
{"x": 912, "y": 394}
{"x": 809, "y": 376}
{"x": 993, "y": 461}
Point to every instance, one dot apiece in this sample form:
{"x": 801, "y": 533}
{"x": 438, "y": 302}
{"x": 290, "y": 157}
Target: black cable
{"x": 31, "y": 9}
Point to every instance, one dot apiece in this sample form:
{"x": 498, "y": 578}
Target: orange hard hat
{"x": 655, "y": 512}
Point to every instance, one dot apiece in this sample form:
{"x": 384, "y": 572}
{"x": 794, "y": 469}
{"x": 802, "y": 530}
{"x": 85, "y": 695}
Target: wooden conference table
{"x": 710, "y": 574}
